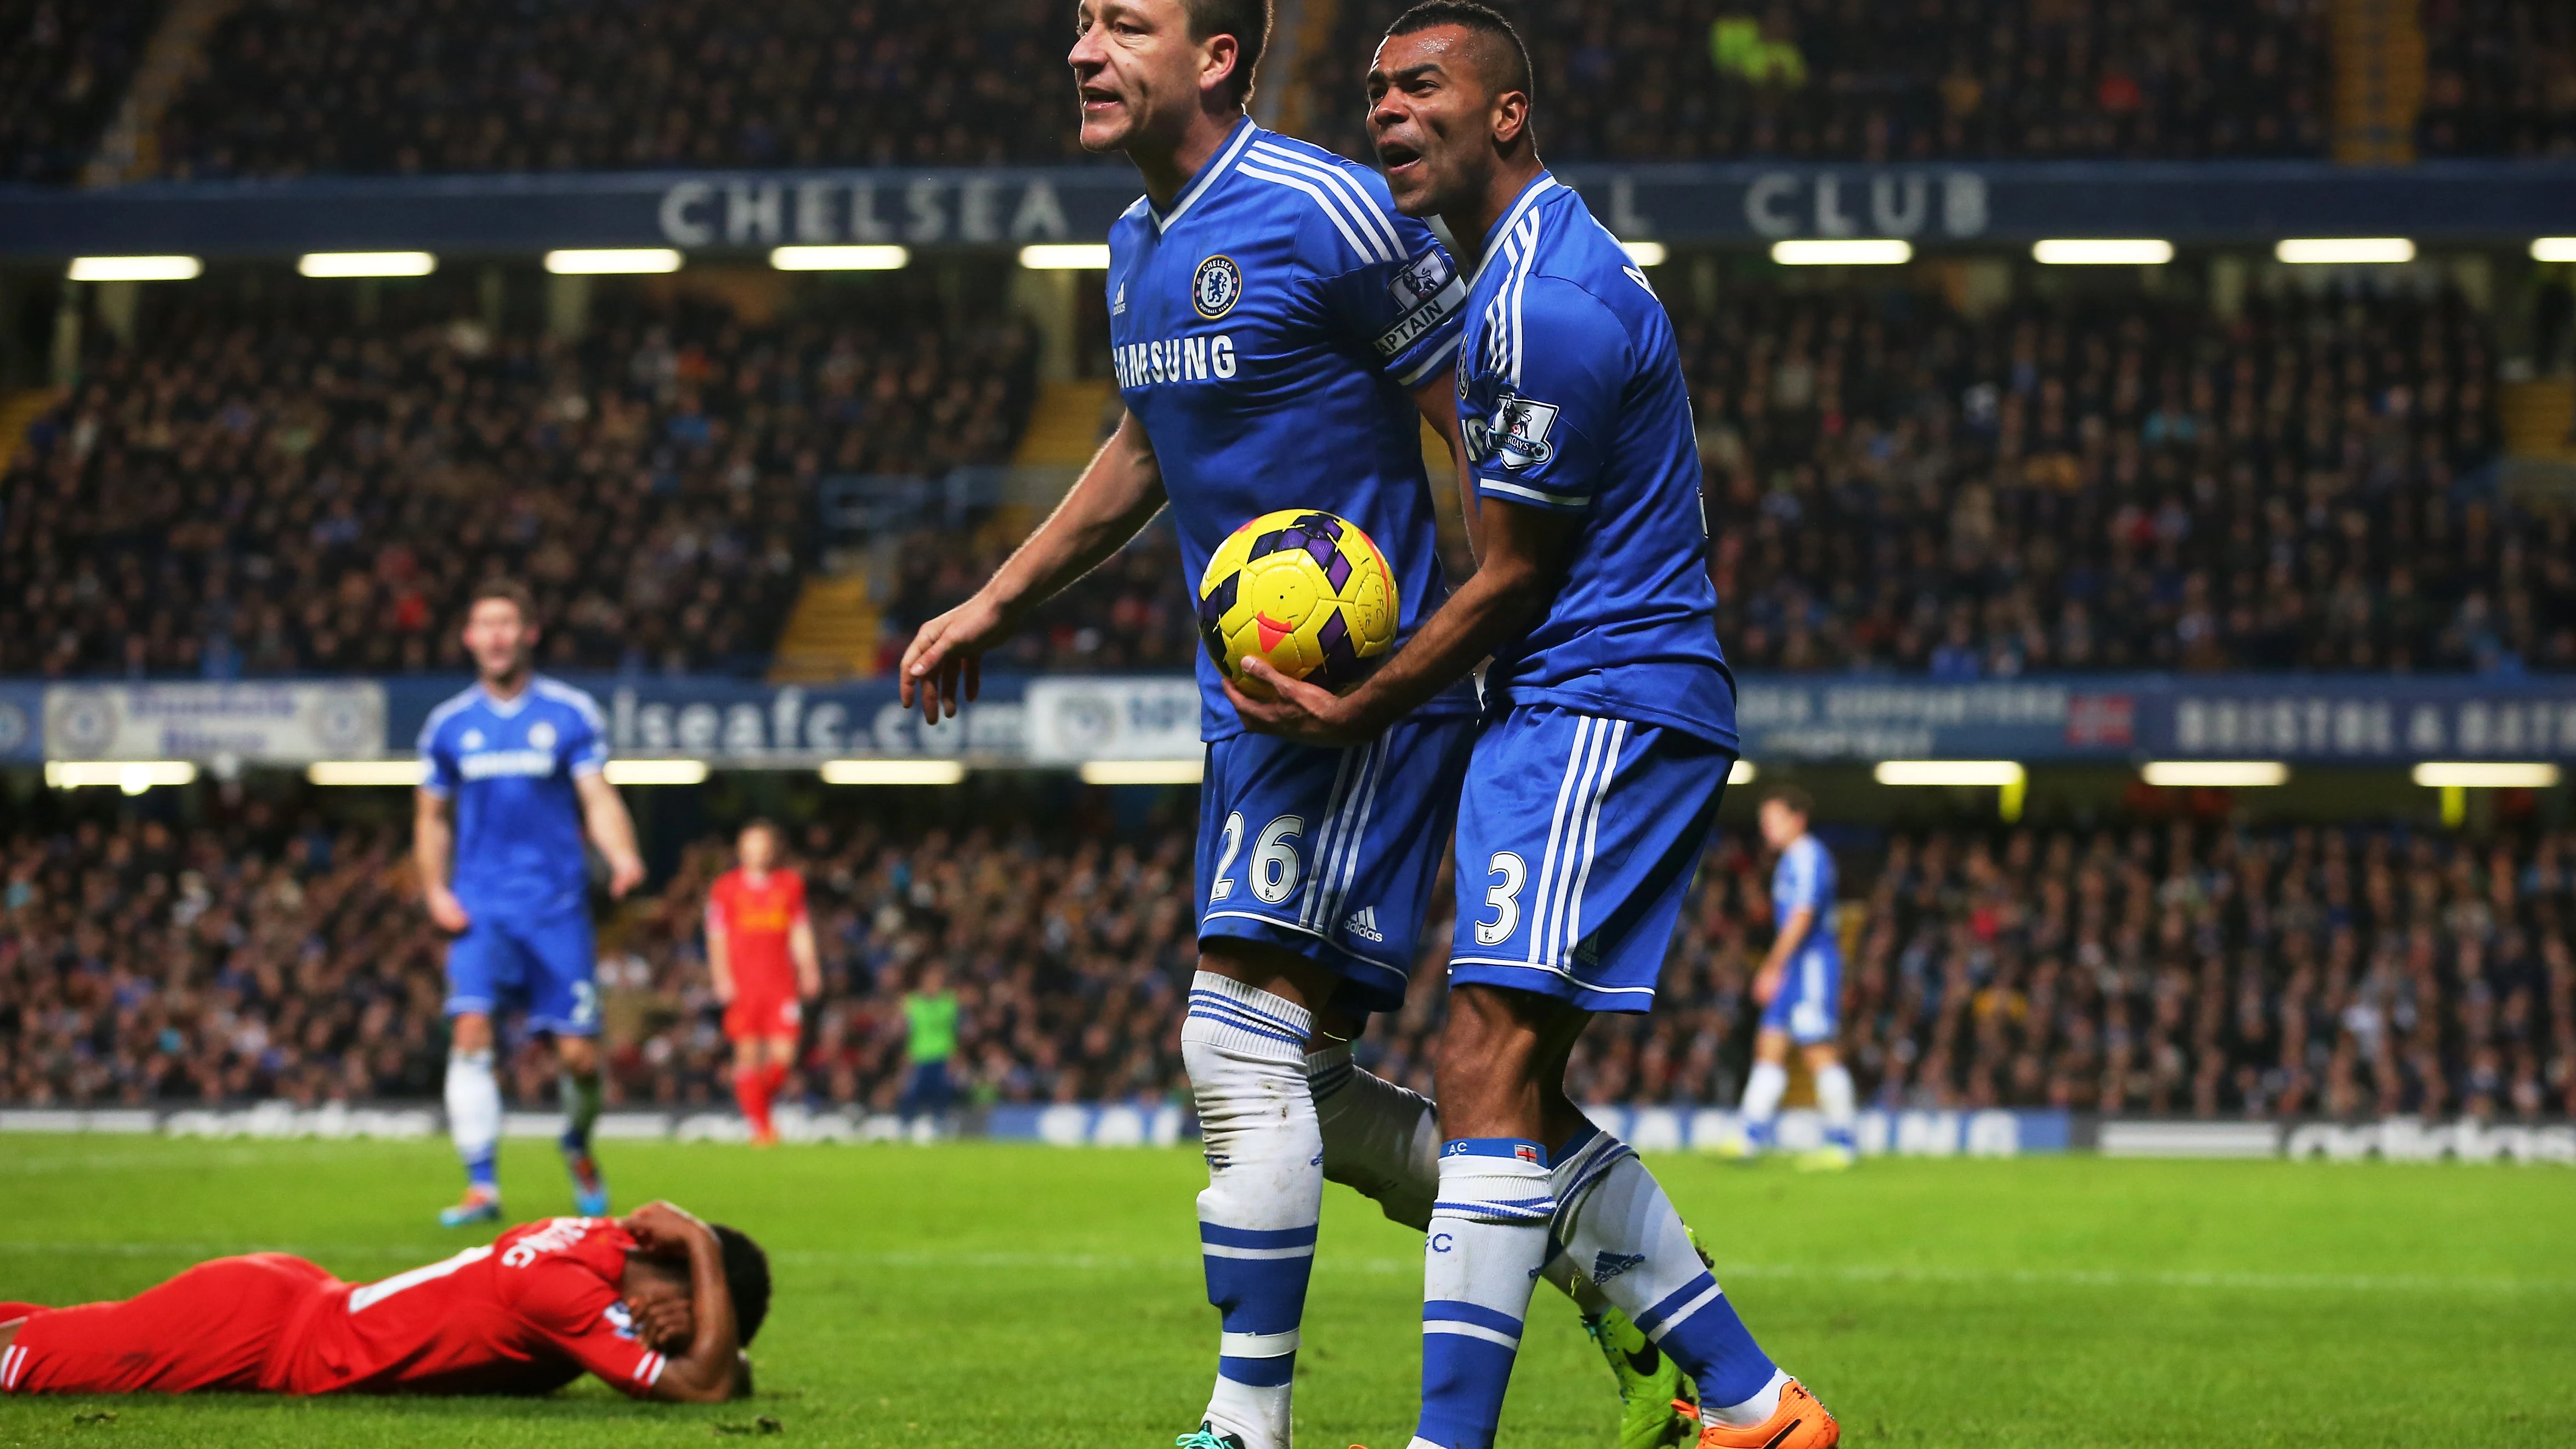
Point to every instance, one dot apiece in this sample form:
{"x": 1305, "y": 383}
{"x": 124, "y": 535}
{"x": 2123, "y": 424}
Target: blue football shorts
{"x": 1331, "y": 853}
{"x": 1577, "y": 838}
{"x": 1808, "y": 1006}
{"x": 549, "y": 963}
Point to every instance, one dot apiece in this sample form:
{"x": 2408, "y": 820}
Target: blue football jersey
{"x": 507, "y": 768}
{"x": 1570, "y": 391}
{"x": 1270, "y": 330}
{"x": 1804, "y": 881}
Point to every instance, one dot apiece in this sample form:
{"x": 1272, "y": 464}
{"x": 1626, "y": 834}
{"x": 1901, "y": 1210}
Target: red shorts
{"x": 220, "y": 1325}
{"x": 763, "y": 1014}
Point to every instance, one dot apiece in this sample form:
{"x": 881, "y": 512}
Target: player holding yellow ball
{"x": 1306, "y": 593}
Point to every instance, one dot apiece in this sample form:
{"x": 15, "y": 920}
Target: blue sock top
{"x": 1520, "y": 1147}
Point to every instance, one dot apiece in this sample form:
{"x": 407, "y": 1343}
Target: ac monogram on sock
{"x": 1487, "y": 1243}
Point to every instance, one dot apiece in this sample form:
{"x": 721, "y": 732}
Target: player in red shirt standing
{"x": 656, "y": 1303}
{"x": 760, "y": 950}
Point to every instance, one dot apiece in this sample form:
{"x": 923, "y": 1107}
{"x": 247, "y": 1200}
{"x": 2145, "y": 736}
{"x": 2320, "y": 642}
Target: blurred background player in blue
{"x": 515, "y": 775}
{"x": 1800, "y": 987}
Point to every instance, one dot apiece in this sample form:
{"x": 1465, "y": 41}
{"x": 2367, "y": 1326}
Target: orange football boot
{"x": 1799, "y": 1423}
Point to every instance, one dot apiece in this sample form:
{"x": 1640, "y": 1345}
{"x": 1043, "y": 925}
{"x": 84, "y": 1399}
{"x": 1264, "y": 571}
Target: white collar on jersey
{"x": 1545, "y": 183}
{"x": 1244, "y": 131}
{"x": 506, "y": 708}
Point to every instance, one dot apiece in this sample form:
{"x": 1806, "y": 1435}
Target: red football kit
{"x": 755, "y": 917}
{"x": 526, "y": 1315}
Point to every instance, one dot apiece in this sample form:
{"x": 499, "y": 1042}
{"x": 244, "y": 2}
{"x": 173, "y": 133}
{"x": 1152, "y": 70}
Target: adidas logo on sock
{"x": 1611, "y": 1265}
{"x": 1363, "y": 924}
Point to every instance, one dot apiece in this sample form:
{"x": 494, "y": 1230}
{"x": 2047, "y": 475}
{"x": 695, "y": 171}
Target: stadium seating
{"x": 2500, "y": 78}
{"x": 246, "y": 488}
{"x": 1835, "y": 80}
{"x": 302, "y": 87}
{"x": 2306, "y": 971}
{"x": 63, "y": 68}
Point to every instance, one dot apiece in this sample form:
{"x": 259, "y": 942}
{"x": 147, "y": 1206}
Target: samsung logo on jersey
{"x": 1182, "y": 359}
{"x": 492, "y": 764}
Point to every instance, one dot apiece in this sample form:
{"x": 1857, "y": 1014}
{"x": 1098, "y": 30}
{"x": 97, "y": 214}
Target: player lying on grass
{"x": 1607, "y": 739}
{"x": 657, "y": 1303}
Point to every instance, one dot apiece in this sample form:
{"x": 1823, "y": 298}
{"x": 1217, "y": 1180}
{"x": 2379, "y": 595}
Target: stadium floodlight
{"x": 1867, "y": 252}
{"x": 893, "y": 772}
{"x": 2554, "y": 249}
{"x": 1745, "y": 772}
{"x": 841, "y": 259}
{"x": 1646, "y": 254}
{"x": 366, "y": 264}
{"x": 2346, "y": 251}
{"x": 612, "y": 261}
{"x": 1950, "y": 772}
{"x": 131, "y": 776}
{"x": 136, "y": 269}
{"x": 2485, "y": 775}
{"x": 1144, "y": 772}
{"x": 2103, "y": 252}
{"x": 2215, "y": 774}
{"x": 380, "y": 773}
{"x": 1066, "y": 257}
{"x": 657, "y": 772}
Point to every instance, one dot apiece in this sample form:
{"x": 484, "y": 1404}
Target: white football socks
{"x": 1244, "y": 1049}
{"x": 1762, "y": 1093}
{"x": 474, "y": 1111}
{"x": 1834, "y": 1094}
{"x": 1380, "y": 1140}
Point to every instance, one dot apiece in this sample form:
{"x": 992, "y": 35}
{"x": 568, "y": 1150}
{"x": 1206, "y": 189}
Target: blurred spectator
{"x": 2113, "y": 481}
{"x": 2310, "y": 970}
{"x": 63, "y": 68}
{"x": 1838, "y": 80}
{"x": 2500, "y": 78}
{"x": 297, "y": 87}
{"x": 260, "y": 486}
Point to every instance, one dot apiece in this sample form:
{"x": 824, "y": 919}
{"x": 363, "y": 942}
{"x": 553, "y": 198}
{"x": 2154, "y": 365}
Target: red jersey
{"x": 526, "y": 1315}
{"x": 755, "y": 917}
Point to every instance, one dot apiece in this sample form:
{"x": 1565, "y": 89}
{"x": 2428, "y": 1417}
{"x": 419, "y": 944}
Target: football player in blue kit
{"x": 1280, "y": 333}
{"x": 1800, "y": 987}
{"x": 1607, "y": 737}
{"x": 513, "y": 777}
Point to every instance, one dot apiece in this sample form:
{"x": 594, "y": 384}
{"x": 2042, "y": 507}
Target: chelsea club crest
{"x": 1217, "y": 287}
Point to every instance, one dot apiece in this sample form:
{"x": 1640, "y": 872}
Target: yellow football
{"x": 1306, "y": 592}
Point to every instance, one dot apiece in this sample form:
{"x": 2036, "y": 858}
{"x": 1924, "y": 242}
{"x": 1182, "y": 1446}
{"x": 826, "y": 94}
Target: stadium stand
{"x": 1837, "y": 80}
{"x": 2235, "y": 972}
{"x": 245, "y": 488}
{"x": 2500, "y": 78}
{"x": 313, "y": 87}
{"x": 63, "y": 67}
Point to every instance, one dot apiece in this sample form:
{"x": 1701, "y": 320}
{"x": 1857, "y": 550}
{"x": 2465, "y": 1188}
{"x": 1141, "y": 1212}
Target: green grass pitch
{"x": 1026, "y": 1297}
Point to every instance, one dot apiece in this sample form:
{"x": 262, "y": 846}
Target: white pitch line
{"x": 1327, "y": 1262}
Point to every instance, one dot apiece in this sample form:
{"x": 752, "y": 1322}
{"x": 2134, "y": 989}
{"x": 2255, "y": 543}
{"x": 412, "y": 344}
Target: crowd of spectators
{"x": 2500, "y": 78}
{"x": 313, "y": 87}
{"x": 2177, "y": 969}
{"x": 1847, "y": 80}
{"x": 63, "y": 69}
{"x": 264, "y": 486}
{"x": 1131, "y": 615}
{"x": 2116, "y": 482}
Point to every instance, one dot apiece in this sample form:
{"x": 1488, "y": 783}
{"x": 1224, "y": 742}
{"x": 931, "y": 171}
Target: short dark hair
{"x": 1792, "y": 799}
{"x": 509, "y": 590}
{"x": 1482, "y": 20}
{"x": 746, "y": 1271}
{"x": 1248, "y": 21}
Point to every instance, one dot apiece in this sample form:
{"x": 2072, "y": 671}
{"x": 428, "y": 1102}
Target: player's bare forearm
{"x": 709, "y": 1370}
{"x": 1793, "y": 934}
{"x": 809, "y": 962}
{"x": 1118, "y": 494}
{"x": 432, "y": 840}
{"x": 720, "y": 964}
{"x": 604, "y": 817}
{"x": 1438, "y": 401}
{"x": 1517, "y": 578}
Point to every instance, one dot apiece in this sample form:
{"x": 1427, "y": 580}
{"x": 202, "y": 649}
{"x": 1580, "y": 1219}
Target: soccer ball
{"x": 1306, "y": 592}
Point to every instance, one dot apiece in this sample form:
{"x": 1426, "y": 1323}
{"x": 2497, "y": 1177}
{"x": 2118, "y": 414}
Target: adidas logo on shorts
{"x": 1363, "y": 924}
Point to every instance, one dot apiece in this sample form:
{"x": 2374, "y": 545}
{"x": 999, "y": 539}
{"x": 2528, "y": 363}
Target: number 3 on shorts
{"x": 1505, "y": 897}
